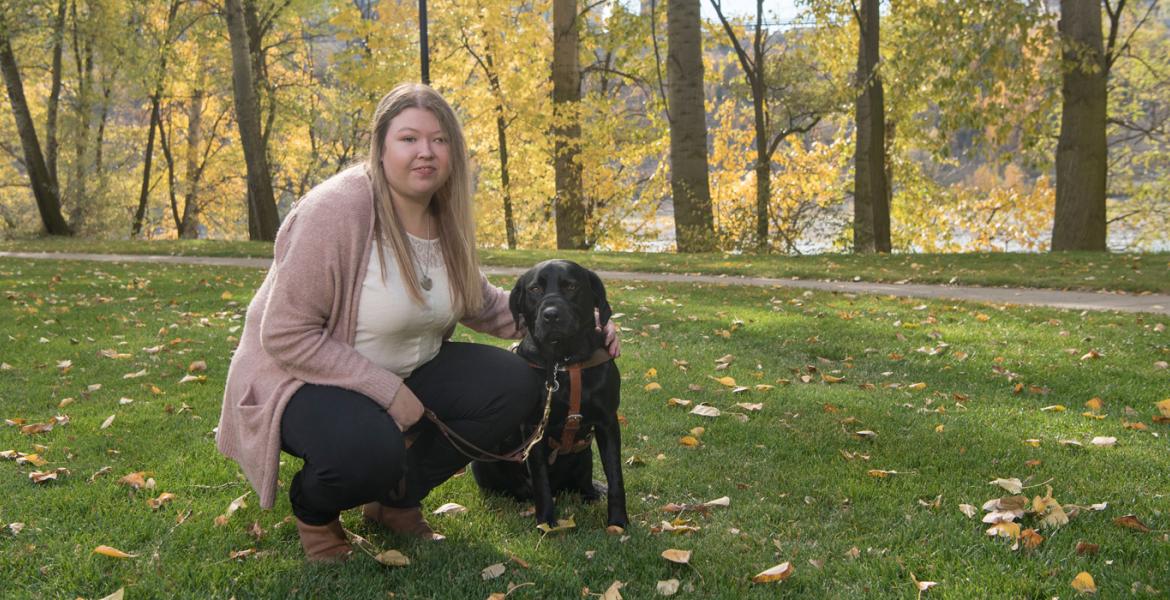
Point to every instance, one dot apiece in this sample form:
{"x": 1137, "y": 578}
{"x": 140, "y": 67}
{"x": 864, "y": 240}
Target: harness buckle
{"x": 573, "y": 417}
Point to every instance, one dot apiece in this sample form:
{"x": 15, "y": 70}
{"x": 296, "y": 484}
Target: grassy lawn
{"x": 951, "y": 390}
{"x": 1074, "y": 270}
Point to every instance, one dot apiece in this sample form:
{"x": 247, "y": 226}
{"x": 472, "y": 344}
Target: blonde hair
{"x": 450, "y": 207}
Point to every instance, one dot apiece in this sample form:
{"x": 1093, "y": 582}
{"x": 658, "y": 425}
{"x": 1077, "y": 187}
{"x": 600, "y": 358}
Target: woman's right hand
{"x": 406, "y": 409}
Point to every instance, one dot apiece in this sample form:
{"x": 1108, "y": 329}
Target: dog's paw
{"x": 594, "y": 492}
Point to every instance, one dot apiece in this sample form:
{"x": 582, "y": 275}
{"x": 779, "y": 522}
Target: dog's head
{"x": 555, "y": 301}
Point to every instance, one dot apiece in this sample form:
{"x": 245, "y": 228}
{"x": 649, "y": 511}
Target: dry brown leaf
{"x": 689, "y": 441}
{"x": 450, "y": 508}
{"x": 1164, "y": 407}
{"x": 109, "y": 421}
{"x": 1013, "y": 485}
{"x": 668, "y": 587}
{"x": 678, "y": 402}
{"x": 136, "y": 480}
{"x": 652, "y": 386}
{"x": 198, "y": 365}
{"x": 706, "y": 410}
{"x": 1031, "y": 538}
{"x": 922, "y": 586}
{"x": 674, "y": 555}
{"x": 1054, "y": 408}
{"x": 1094, "y": 404}
{"x": 968, "y": 510}
{"x": 1085, "y": 548}
{"x": 562, "y": 525}
{"x": 613, "y": 591}
{"x": 163, "y": 498}
{"x": 392, "y": 558}
{"x": 726, "y": 381}
{"x": 1131, "y": 522}
{"x": 1104, "y": 441}
{"x": 751, "y": 406}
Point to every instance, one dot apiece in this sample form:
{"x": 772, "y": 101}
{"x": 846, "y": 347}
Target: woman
{"x": 346, "y": 340}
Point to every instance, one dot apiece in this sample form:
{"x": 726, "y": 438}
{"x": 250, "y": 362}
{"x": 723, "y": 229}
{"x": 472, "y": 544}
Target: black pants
{"x": 354, "y": 452}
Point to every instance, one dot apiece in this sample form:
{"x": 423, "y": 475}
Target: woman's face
{"x": 416, "y": 156}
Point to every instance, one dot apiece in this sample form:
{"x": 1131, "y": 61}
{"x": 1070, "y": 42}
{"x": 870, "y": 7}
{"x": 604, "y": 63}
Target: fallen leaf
{"x": 392, "y": 558}
{"x": 763, "y": 387}
{"x": 1094, "y": 404}
{"x": 652, "y": 386}
{"x": 751, "y": 406}
{"x": 136, "y": 480}
{"x": 1104, "y": 441}
{"x": 112, "y": 552}
{"x": 1083, "y": 583}
{"x": 706, "y": 410}
{"x": 968, "y": 510}
{"x": 922, "y": 585}
{"x": 450, "y": 508}
{"x": 109, "y": 421}
{"x": 689, "y": 441}
{"x": 118, "y": 595}
{"x": 613, "y": 593}
{"x": 831, "y": 379}
{"x": 1031, "y": 538}
{"x": 721, "y": 501}
{"x": 681, "y": 557}
{"x": 1164, "y": 407}
{"x": 727, "y": 381}
{"x": 1131, "y": 522}
{"x": 779, "y": 572}
{"x": 879, "y": 473}
{"x": 492, "y": 571}
{"x": 41, "y": 477}
{"x": 1005, "y": 529}
{"x": 667, "y": 588}
{"x": 163, "y": 498}
{"x": 1085, "y": 548}
{"x": 865, "y": 434}
{"x": 562, "y": 525}
{"x": 1054, "y": 408}
{"x": 235, "y": 505}
{"x": 135, "y": 375}
{"x": 916, "y": 386}
{"x": 1012, "y": 485}
{"x": 198, "y": 365}
{"x": 190, "y": 378}
{"x": 678, "y": 402}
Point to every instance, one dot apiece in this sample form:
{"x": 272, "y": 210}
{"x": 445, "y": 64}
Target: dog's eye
{"x": 570, "y": 287}
{"x": 536, "y": 289}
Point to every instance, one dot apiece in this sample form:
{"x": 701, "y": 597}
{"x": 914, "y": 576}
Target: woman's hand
{"x": 612, "y": 345}
{"x": 406, "y": 409}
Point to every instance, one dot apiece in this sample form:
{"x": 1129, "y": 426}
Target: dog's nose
{"x": 550, "y": 314}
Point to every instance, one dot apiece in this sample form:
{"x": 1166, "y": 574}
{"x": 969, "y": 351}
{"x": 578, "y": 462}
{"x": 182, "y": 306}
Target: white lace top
{"x": 393, "y": 331}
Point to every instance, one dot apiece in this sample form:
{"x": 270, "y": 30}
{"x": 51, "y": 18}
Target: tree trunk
{"x": 871, "y": 207}
{"x": 44, "y": 188}
{"x": 147, "y": 162}
{"x": 55, "y": 95}
{"x": 263, "y": 219}
{"x": 570, "y": 198}
{"x": 1081, "y": 154}
{"x": 83, "y": 59}
{"x": 189, "y": 223}
{"x": 505, "y": 179}
{"x": 690, "y": 191}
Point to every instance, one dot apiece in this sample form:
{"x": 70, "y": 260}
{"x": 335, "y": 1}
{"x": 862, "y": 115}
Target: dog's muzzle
{"x": 555, "y": 322}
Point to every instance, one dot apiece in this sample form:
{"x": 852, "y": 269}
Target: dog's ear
{"x": 516, "y": 300}
{"x": 599, "y": 301}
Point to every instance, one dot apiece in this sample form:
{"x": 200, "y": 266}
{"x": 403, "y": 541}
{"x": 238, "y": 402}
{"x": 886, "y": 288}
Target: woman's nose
{"x": 425, "y": 149}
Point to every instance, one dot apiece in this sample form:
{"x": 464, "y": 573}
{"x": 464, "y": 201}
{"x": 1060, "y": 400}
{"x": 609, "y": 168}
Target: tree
{"x": 566, "y": 75}
{"x": 43, "y": 183}
{"x": 1082, "y": 152}
{"x": 799, "y": 118}
{"x": 691, "y": 192}
{"x": 262, "y": 218}
{"x": 871, "y": 189}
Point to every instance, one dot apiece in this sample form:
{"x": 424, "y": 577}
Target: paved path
{"x": 1146, "y": 303}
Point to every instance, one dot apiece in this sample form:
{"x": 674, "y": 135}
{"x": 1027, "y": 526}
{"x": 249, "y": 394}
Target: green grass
{"x": 794, "y": 497}
{"x": 1072, "y": 270}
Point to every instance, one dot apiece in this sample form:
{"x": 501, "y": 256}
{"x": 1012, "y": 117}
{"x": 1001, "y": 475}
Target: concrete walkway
{"x": 1122, "y": 302}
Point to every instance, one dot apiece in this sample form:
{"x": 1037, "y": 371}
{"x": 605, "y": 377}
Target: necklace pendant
{"x": 425, "y": 282}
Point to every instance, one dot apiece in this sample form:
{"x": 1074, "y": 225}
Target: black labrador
{"x": 555, "y": 301}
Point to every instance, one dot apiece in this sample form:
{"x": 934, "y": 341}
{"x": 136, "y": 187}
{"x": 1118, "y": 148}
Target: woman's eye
{"x": 440, "y": 140}
{"x": 409, "y": 139}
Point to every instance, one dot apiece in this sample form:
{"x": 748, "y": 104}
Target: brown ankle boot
{"x": 404, "y": 521}
{"x": 324, "y": 543}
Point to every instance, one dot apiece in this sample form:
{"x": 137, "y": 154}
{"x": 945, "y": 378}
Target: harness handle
{"x": 519, "y": 455}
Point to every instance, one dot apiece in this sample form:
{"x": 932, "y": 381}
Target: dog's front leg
{"x": 609, "y": 448}
{"x": 542, "y": 498}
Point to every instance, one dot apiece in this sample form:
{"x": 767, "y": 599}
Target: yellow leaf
{"x": 689, "y": 441}
{"x": 763, "y": 387}
{"x": 681, "y": 557}
{"x": 727, "y": 381}
{"x": 1030, "y": 538}
{"x": 1094, "y": 404}
{"x": 612, "y": 593}
{"x": 112, "y": 552}
{"x": 226, "y": 296}
{"x": 1164, "y": 407}
{"x": 392, "y": 558}
{"x": 940, "y": 428}
{"x": 652, "y": 386}
{"x": 916, "y": 386}
{"x": 678, "y": 402}
{"x": 879, "y": 473}
{"x": 779, "y": 572}
{"x": 163, "y": 498}
{"x": 135, "y": 480}
{"x": 1033, "y": 442}
{"x": 1005, "y": 529}
{"x": 831, "y": 379}
{"x": 651, "y": 373}
{"x": 562, "y": 525}
{"x": 1083, "y": 583}
{"x": 118, "y": 595}
{"x": 1053, "y": 408}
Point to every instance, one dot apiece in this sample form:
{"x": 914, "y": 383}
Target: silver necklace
{"x": 424, "y": 264}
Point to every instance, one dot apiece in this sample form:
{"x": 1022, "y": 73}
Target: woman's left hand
{"x": 611, "y": 339}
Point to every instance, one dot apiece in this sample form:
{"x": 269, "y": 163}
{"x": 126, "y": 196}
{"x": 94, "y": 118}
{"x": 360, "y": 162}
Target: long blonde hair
{"x": 450, "y": 206}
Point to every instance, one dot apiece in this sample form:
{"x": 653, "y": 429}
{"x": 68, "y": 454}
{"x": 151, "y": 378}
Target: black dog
{"x": 555, "y": 301}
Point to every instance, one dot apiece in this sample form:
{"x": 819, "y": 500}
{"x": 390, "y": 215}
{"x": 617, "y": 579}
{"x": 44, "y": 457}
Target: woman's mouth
{"x": 425, "y": 171}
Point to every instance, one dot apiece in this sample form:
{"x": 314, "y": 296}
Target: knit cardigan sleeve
{"x": 494, "y": 317}
{"x": 304, "y": 306}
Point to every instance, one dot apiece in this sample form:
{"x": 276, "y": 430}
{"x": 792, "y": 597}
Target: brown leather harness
{"x": 568, "y": 443}
{"x": 568, "y": 434}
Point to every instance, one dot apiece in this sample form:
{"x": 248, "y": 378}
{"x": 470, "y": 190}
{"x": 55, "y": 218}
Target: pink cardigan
{"x": 301, "y": 323}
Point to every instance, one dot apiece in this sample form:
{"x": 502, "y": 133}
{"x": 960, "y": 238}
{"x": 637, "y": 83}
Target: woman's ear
{"x": 599, "y": 300}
